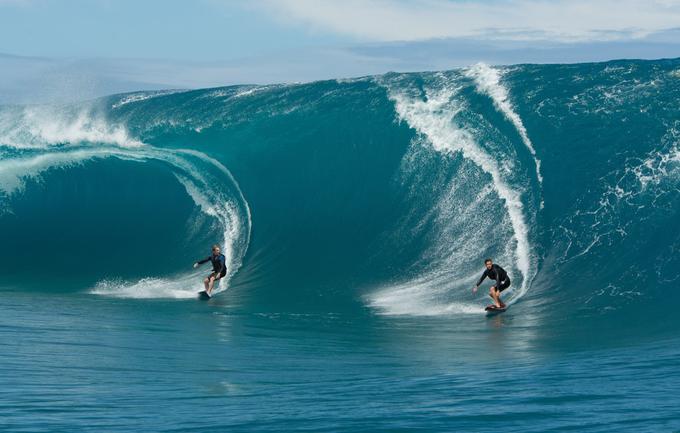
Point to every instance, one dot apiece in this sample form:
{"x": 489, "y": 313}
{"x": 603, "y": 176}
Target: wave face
{"x": 386, "y": 191}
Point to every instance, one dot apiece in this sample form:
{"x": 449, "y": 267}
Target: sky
{"x": 56, "y": 49}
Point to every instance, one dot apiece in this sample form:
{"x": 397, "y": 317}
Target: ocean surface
{"x": 355, "y": 216}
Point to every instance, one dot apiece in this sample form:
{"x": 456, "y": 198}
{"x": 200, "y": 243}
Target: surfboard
{"x": 492, "y": 310}
{"x": 203, "y": 295}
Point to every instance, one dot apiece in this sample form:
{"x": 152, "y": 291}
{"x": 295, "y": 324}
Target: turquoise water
{"x": 355, "y": 216}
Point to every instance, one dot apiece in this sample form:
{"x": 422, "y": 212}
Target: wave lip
{"x": 488, "y": 80}
{"x": 141, "y": 96}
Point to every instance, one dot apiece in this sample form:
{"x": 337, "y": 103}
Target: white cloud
{"x": 557, "y": 20}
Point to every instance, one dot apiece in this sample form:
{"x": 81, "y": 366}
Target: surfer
{"x": 219, "y": 264}
{"x": 494, "y": 272}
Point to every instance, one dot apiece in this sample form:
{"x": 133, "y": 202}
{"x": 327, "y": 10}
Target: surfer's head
{"x": 215, "y": 249}
{"x": 488, "y": 263}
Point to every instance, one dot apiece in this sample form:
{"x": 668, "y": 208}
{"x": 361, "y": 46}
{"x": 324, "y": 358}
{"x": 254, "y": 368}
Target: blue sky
{"x": 171, "y": 29}
{"x": 100, "y": 46}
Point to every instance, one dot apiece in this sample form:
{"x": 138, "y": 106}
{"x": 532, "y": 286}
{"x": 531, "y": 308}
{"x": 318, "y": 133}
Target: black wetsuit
{"x": 499, "y": 275}
{"x": 219, "y": 264}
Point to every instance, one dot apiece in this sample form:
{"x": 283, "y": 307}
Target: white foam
{"x": 142, "y": 96}
{"x": 241, "y": 91}
{"x": 657, "y": 167}
{"x": 418, "y": 298}
{"x": 250, "y": 91}
{"x": 149, "y": 288}
{"x": 433, "y": 116}
{"x": 41, "y": 127}
{"x": 432, "y": 119}
{"x": 488, "y": 81}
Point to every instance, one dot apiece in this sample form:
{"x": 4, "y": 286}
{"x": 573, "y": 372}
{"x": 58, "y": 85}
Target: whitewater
{"x": 355, "y": 216}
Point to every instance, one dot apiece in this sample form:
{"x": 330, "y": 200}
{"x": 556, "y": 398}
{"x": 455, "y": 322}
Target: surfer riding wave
{"x": 219, "y": 264}
{"x": 494, "y": 272}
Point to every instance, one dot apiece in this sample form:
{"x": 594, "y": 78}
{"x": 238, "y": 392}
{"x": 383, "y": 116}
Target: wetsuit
{"x": 219, "y": 264}
{"x": 496, "y": 273}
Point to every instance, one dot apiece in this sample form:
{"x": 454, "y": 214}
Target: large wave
{"x": 390, "y": 191}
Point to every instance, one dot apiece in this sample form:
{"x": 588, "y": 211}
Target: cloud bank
{"x": 555, "y": 20}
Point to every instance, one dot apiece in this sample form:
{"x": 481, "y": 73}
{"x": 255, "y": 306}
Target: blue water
{"x": 355, "y": 216}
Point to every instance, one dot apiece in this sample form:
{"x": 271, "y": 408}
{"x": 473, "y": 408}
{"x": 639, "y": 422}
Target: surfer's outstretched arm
{"x": 200, "y": 262}
{"x": 474, "y": 289}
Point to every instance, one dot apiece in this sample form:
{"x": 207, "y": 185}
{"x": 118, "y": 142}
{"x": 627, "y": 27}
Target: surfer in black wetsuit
{"x": 219, "y": 264}
{"x": 495, "y": 272}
